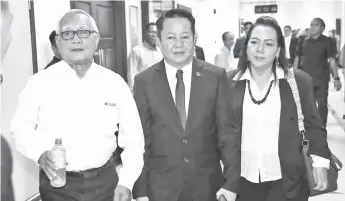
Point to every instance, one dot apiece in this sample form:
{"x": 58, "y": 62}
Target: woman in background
{"x": 272, "y": 167}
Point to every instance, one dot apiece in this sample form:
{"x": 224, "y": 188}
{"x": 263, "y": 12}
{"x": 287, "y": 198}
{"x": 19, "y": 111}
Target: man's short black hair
{"x": 52, "y": 38}
{"x": 225, "y": 34}
{"x": 247, "y": 23}
{"x": 288, "y": 26}
{"x": 150, "y": 24}
{"x": 175, "y": 13}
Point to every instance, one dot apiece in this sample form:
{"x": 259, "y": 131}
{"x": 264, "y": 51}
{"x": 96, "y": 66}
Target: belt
{"x": 93, "y": 172}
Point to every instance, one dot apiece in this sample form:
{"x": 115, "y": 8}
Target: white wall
{"x": 17, "y": 67}
{"x": 298, "y": 14}
{"x": 46, "y": 21}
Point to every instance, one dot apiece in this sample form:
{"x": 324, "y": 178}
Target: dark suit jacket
{"x": 174, "y": 156}
{"x": 293, "y": 47}
{"x": 289, "y": 144}
{"x": 199, "y": 53}
{"x": 53, "y": 61}
{"x": 238, "y": 46}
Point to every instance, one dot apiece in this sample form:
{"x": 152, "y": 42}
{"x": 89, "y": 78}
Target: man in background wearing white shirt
{"x": 225, "y": 57}
{"x": 143, "y": 55}
{"x": 81, "y": 103}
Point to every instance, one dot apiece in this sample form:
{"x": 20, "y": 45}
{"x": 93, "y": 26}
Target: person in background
{"x": 271, "y": 164}
{"x": 143, "y": 55}
{"x": 199, "y": 52}
{"x": 240, "y": 41}
{"x": 187, "y": 120}
{"x": 57, "y": 56}
{"x": 225, "y": 57}
{"x": 291, "y": 45}
{"x": 81, "y": 103}
{"x": 317, "y": 59}
{"x": 6, "y": 153}
{"x": 342, "y": 65}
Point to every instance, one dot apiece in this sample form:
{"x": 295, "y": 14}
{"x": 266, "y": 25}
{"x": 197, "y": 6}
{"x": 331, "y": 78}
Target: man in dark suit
{"x": 199, "y": 53}
{"x": 187, "y": 121}
{"x": 290, "y": 45}
{"x": 240, "y": 41}
{"x": 57, "y": 56}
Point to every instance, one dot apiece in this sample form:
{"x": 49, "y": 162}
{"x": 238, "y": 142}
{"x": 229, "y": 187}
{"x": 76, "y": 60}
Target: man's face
{"x": 77, "y": 50}
{"x": 315, "y": 27}
{"x": 151, "y": 35}
{"x": 229, "y": 40}
{"x": 177, "y": 41}
{"x": 287, "y": 31}
{"x": 6, "y": 38}
{"x": 247, "y": 28}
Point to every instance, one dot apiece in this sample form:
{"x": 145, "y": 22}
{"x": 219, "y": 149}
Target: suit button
{"x": 184, "y": 141}
{"x": 185, "y": 160}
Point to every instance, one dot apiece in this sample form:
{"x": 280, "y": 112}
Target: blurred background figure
{"x": 144, "y": 55}
{"x": 198, "y": 52}
{"x": 57, "y": 56}
{"x": 240, "y": 41}
{"x": 225, "y": 56}
{"x": 290, "y": 45}
{"x": 6, "y": 155}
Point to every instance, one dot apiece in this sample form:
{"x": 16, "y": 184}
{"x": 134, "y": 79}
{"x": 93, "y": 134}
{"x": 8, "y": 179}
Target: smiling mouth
{"x": 178, "y": 53}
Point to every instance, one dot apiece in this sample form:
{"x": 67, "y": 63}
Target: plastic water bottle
{"x": 59, "y": 158}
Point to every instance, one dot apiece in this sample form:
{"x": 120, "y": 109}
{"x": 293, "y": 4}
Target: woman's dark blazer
{"x": 289, "y": 144}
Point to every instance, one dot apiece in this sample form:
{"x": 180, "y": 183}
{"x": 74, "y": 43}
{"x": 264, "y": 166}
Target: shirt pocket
{"x": 108, "y": 116}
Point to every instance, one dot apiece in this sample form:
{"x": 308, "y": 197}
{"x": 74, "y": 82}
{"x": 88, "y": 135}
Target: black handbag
{"x": 335, "y": 164}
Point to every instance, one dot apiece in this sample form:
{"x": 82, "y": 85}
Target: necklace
{"x": 259, "y": 102}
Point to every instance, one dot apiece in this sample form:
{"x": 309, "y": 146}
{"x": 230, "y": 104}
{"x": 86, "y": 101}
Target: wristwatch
{"x": 337, "y": 78}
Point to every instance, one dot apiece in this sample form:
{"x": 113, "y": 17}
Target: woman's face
{"x": 262, "y": 47}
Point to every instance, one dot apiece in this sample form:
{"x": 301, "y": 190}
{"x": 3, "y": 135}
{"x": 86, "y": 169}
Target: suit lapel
{"x": 195, "y": 91}
{"x": 238, "y": 91}
{"x": 165, "y": 97}
{"x": 287, "y": 107}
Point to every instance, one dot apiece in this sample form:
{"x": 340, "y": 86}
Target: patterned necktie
{"x": 180, "y": 98}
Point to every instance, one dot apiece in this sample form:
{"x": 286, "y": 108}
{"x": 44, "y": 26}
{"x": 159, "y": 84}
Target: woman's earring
{"x": 277, "y": 61}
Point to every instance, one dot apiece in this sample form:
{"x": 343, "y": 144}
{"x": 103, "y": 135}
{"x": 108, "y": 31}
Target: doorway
{"x": 111, "y": 22}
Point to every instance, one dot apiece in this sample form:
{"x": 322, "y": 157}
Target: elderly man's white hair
{"x": 77, "y": 12}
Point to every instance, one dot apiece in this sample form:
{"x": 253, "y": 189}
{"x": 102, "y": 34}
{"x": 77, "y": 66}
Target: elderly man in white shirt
{"x": 225, "y": 57}
{"x": 143, "y": 55}
{"x": 81, "y": 103}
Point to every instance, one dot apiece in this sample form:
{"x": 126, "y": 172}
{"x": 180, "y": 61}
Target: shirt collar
{"x": 247, "y": 76}
{"x": 170, "y": 70}
{"x": 225, "y": 49}
{"x": 63, "y": 66}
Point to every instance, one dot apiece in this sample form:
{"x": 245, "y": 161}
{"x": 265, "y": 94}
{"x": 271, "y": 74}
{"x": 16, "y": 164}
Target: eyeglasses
{"x": 68, "y": 35}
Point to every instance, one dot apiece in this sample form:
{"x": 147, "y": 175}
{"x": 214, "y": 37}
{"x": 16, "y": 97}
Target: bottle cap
{"x": 58, "y": 141}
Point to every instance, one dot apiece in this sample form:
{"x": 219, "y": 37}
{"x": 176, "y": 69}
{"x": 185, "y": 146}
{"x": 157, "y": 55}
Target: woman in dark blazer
{"x": 271, "y": 159}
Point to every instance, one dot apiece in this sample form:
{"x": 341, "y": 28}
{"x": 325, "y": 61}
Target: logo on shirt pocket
{"x": 109, "y": 104}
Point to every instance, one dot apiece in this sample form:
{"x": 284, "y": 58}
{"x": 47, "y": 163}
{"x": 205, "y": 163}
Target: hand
{"x": 142, "y": 199}
{"x": 47, "y": 164}
{"x": 337, "y": 85}
{"x": 122, "y": 194}
{"x": 320, "y": 178}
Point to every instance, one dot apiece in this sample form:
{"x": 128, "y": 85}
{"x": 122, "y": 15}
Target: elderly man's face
{"x": 77, "y": 50}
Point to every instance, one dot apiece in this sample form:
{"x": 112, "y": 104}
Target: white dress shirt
{"x": 187, "y": 80}
{"x": 141, "y": 58}
{"x": 287, "y": 46}
{"x": 225, "y": 59}
{"x": 259, "y": 143}
{"x": 84, "y": 112}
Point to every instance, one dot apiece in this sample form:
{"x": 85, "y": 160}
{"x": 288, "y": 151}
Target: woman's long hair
{"x": 244, "y": 62}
